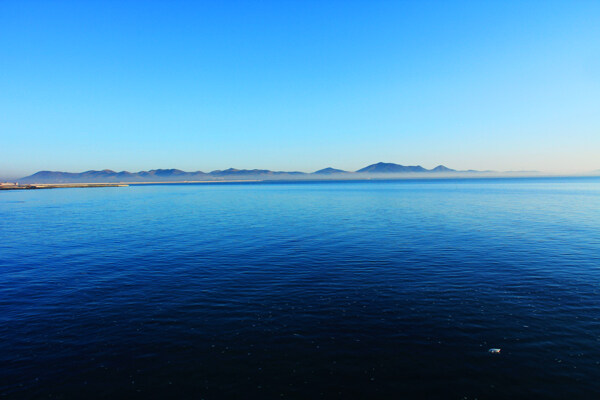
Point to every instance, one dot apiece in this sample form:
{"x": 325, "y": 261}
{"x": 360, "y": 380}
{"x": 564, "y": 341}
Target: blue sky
{"x": 299, "y": 85}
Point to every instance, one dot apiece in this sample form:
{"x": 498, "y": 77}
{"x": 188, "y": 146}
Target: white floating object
{"x": 494, "y": 351}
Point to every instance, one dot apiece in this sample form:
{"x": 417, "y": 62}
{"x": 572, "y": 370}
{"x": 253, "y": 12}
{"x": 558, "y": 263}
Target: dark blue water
{"x": 306, "y": 290}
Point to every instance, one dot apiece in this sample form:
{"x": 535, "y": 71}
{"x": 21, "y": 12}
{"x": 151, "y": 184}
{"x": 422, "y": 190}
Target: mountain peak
{"x": 442, "y": 168}
{"x": 388, "y": 168}
{"x": 329, "y": 171}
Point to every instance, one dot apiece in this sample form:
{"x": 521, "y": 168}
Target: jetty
{"x": 16, "y": 186}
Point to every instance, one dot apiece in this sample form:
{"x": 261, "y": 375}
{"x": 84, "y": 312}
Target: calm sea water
{"x": 302, "y": 290}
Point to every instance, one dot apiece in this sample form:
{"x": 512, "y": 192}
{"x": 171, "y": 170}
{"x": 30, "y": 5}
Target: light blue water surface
{"x": 301, "y": 290}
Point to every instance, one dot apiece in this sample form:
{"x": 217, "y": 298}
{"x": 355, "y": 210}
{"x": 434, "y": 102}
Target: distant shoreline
{"x": 60, "y": 185}
{"x": 33, "y": 186}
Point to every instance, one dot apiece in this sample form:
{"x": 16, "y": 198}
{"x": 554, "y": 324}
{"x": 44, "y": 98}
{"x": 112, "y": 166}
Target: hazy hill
{"x": 391, "y": 168}
{"x": 232, "y": 172}
{"x": 441, "y": 168}
{"x": 329, "y": 171}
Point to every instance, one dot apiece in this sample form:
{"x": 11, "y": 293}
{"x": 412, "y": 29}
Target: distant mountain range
{"x": 174, "y": 175}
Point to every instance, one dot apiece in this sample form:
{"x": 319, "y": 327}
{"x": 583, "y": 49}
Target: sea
{"x": 303, "y": 290}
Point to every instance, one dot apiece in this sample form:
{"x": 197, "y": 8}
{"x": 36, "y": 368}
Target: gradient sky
{"x": 299, "y": 85}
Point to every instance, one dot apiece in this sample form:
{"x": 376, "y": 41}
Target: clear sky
{"x": 298, "y": 85}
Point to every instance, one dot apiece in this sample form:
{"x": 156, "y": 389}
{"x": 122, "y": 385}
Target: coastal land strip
{"x": 121, "y": 184}
{"x": 59, "y": 185}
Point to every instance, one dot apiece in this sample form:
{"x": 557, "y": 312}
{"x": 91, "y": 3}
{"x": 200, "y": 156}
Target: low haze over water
{"x": 383, "y": 289}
